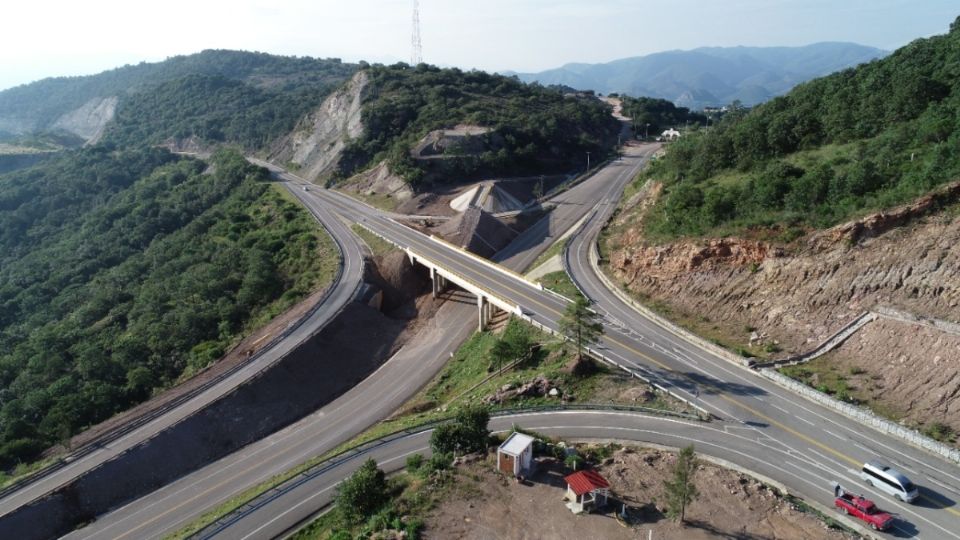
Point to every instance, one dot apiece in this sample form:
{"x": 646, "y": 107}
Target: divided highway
{"x": 808, "y": 445}
{"x": 375, "y": 398}
{"x": 796, "y": 442}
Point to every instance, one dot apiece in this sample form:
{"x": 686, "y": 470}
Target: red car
{"x": 862, "y": 509}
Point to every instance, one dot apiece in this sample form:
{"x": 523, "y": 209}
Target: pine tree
{"x": 680, "y": 489}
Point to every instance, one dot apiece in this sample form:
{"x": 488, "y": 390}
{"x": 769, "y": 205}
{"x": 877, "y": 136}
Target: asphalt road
{"x": 342, "y": 292}
{"x": 176, "y": 504}
{"x": 294, "y": 507}
{"x": 809, "y": 445}
{"x": 822, "y": 446}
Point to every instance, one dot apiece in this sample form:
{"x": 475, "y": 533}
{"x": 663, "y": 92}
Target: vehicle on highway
{"x": 889, "y": 480}
{"x": 305, "y": 188}
{"x": 861, "y": 508}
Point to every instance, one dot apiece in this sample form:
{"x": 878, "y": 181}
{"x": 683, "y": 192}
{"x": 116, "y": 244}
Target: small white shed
{"x": 515, "y": 455}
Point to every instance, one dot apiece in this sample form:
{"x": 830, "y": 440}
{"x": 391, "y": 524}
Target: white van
{"x": 889, "y": 480}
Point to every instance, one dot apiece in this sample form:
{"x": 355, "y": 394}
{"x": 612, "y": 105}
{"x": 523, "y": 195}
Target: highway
{"x": 341, "y": 292}
{"x": 815, "y": 444}
{"x": 809, "y": 444}
{"x": 180, "y": 502}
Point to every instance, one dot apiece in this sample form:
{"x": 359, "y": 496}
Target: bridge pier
{"x": 438, "y": 282}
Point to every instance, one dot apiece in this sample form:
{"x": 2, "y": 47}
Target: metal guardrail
{"x": 148, "y": 417}
{"x": 344, "y": 456}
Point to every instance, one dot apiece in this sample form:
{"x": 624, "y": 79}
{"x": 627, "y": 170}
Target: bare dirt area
{"x": 909, "y": 372}
{"x": 487, "y": 504}
{"x": 795, "y": 295}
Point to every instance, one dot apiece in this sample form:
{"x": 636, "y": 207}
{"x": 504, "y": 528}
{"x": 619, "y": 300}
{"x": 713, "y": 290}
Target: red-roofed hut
{"x": 586, "y": 491}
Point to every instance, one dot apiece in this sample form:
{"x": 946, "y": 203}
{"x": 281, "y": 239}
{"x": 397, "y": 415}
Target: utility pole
{"x": 416, "y": 53}
{"x": 646, "y": 132}
{"x": 588, "y": 161}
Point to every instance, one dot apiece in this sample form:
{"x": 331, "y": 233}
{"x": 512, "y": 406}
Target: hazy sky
{"x": 42, "y": 38}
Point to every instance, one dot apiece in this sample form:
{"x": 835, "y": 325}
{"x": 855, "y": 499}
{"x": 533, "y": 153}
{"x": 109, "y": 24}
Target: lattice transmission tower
{"x": 416, "y": 51}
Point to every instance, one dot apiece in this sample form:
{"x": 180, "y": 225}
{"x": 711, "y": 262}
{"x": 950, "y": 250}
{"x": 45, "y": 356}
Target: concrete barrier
{"x": 864, "y": 416}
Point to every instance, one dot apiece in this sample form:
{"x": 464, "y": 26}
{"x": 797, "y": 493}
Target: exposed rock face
{"x": 318, "y": 140}
{"x": 379, "y": 181}
{"x": 90, "y": 119}
{"x": 802, "y": 295}
{"x": 461, "y": 140}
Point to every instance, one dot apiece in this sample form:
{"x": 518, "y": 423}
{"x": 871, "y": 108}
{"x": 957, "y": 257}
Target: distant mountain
{"x": 711, "y": 75}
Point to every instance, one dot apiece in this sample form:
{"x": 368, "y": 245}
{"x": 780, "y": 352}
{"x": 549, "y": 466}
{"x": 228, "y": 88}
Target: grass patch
{"x": 560, "y": 282}
{"x": 377, "y": 200}
{"x": 377, "y": 245}
{"x": 555, "y": 249}
{"x": 825, "y": 376}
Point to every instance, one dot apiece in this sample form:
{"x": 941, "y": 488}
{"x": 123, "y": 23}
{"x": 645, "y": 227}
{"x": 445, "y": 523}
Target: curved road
{"x": 815, "y": 444}
{"x": 375, "y": 398}
{"x": 341, "y": 293}
{"x": 287, "y": 511}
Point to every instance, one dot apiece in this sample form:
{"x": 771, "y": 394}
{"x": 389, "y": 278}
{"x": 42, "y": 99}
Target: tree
{"x": 363, "y": 493}
{"x": 581, "y": 324}
{"x": 679, "y": 488}
{"x": 500, "y": 352}
{"x": 467, "y": 433}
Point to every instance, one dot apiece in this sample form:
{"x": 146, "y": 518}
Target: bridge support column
{"x": 434, "y": 282}
{"x": 482, "y": 313}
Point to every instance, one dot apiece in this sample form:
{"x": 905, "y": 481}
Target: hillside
{"x": 861, "y": 139}
{"x": 531, "y": 128}
{"x": 122, "y": 270}
{"x": 774, "y": 229}
{"x": 83, "y": 106}
{"x": 710, "y": 76}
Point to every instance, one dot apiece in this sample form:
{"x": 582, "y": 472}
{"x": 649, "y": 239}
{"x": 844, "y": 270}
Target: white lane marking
{"x": 834, "y": 434}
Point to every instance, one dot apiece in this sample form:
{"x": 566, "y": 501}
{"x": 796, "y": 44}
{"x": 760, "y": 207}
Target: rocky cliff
{"x": 798, "y": 294}
{"x": 90, "y": 119}
{"x": 318, "y": 140}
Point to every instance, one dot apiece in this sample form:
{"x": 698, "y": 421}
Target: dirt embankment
{"x": 799, "y": 294}
{"x": 349, "y": 348}
{"x": 731, "y": 505}
{"x": 318, "y": 140}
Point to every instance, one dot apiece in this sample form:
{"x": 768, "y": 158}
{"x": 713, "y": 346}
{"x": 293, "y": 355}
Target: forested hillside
{"x": 37, "y": 106}
{"x": 651, "y": 116}
{"x": 861, "y": 139}
{"x": 123, "y": 269}
{"x": 533, "y": 128}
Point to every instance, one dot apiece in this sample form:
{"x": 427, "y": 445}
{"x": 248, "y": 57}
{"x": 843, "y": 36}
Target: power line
{"x": 416, "y": 54}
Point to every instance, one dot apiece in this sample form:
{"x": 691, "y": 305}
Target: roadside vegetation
{"x": 857, "y": 386}
{"x": 123, "y": 271}
{"x": 559, "y": 282}
{"x": 859, "y": 140}
{"x": 534, "y": 129}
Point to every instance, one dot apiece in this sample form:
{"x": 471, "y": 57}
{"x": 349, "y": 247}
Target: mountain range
{"x": 710, "y": 76}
